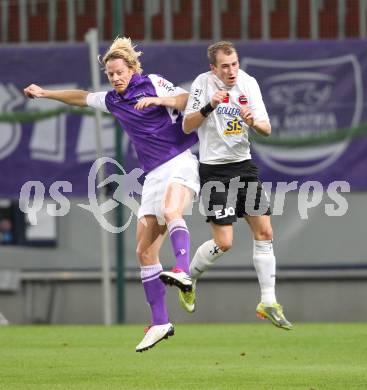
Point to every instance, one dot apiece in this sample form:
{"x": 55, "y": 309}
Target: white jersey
{"x": 224, "y": 135}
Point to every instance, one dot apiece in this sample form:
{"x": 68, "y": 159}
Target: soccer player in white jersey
{"x": 148, "y": 109}
{"x": 223, "y": 104}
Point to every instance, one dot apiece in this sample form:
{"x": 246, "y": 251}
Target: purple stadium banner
{"x": 309, "y": 88}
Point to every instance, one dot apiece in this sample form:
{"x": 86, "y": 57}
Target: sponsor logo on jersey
{"x": 242, "y": 99}
{"x": 166, "y": 84}
{"x": 139, "y": 96}
{"x": 196, "y": 101}
{"x": 234, "y": 126}
{"x": 228, "y": 110}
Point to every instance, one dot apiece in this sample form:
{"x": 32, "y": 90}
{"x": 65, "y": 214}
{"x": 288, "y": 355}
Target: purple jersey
{"x": 155, "y": 131}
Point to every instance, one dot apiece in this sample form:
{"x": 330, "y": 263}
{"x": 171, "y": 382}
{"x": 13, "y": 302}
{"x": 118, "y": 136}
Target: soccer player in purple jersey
{"x": 148, "y": 109}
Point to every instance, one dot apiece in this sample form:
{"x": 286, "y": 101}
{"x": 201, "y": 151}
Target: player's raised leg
{"x": 205, "y": 257}
{"x": 210, "y": 251}
{"x": 150, "y": 236}
{"x": 265, "y": 266}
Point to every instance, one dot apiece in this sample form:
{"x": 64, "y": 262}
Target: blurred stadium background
{"x": 310, "y": 59}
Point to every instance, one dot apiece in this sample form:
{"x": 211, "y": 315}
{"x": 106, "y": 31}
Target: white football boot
{"x": 178, "y": 278}
{"x": 155, "y": 334}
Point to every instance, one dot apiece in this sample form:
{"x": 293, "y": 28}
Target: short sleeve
{"x": 256, "y": 102}
{"x": 164, "y": 87}
{"x": 196, "y": 98}
{"x": 97, "y": 100}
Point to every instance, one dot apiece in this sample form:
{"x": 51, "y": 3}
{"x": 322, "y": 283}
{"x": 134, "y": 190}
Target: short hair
{"x": 225, "y": 46}
{"x": 122, "y": 48}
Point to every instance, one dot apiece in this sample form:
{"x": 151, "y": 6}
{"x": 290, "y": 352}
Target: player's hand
{"x": 147, "y": 102}
{"x": 33, "y": 91}
{"x": 247, "y": 115}
{"x": 218, "y": 98}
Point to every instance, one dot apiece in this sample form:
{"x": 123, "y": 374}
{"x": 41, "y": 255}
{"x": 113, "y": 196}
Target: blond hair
{"x": 225, "y": 46}
{"x": 124, "y": 49}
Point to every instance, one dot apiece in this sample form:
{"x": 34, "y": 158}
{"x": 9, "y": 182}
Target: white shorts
{"x": 181, "y": 169}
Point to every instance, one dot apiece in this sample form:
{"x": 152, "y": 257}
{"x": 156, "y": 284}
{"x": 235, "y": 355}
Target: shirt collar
{"x": 135, "y": 80}
{"x": 220, "y": 84}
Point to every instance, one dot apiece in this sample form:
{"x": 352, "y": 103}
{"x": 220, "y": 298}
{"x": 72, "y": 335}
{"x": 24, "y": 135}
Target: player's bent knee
{"x": 146, "y": 257}
{"x": 170, "y": 215}
{"x": 264, "y": 235}
{"x": 225, "y": 248}
{"x": 225, "y": 245}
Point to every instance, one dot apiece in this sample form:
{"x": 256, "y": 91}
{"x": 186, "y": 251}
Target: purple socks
{"x": 155, "y": 292}
{"x": 180, "y": 240}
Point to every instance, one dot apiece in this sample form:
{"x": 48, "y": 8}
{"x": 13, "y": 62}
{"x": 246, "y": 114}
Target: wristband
{"x": 206, "y": 110}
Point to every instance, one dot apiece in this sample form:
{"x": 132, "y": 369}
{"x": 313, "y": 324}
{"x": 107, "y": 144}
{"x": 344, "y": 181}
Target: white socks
{"x": 264, "y": 262}
{"x": 204, "y": 258}
{"x": 148, "y": 272}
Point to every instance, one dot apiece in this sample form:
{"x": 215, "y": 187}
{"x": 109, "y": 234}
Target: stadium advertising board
{"x": 314, "y": 92}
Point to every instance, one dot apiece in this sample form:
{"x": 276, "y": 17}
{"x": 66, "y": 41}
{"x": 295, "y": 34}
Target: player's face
{"x": 226, "y": 68}
{"x": 119, "y": 74}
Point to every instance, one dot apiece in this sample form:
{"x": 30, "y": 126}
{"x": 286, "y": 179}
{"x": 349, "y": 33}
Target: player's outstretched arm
{"x": 74, "y": 97}
{"x": 178, "y": 101}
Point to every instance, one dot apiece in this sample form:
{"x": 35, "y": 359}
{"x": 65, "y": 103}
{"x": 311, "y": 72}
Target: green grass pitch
{"x": 205, "y": 357}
